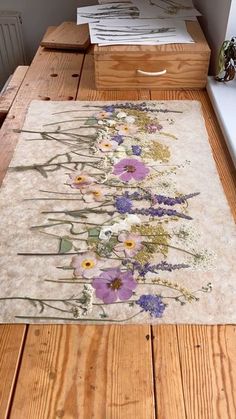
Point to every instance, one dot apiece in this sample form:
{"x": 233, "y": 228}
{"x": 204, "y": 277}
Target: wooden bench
{"x": 8, "y": 95}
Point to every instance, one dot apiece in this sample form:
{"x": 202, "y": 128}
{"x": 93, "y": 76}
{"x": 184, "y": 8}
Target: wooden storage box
{"x": 181, "y": 66}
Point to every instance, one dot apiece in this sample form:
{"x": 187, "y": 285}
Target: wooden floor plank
{"x": 168, "y": 381}
{"x": 85, "y": 372}
{"x": 9, "y": 94}
{"x": 224, "y": 164}
{"x": 208, "y": 363}
{"x": 11, "y": 345}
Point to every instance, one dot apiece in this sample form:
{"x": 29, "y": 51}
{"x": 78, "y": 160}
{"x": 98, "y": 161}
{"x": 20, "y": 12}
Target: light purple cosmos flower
{"x": 128, "y": 169}
{"x": 112, "y": 284}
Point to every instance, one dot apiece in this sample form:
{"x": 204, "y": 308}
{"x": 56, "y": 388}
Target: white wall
{"x": 231, "y": 26}
{"x": 37, "y": 15}
{"x": 214, "y": 24}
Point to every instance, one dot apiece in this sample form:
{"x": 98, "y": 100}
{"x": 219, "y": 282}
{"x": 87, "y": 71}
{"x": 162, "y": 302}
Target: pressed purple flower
{"x": 128, "y": 169}
{"x": 136, "y": 150}
{"x": 109, "y": 108}
{"x": 123, "y": 205}
{"x": 118, "y": 138}
{"x": 113, "y": 284}
{"x": 153, "y": 304}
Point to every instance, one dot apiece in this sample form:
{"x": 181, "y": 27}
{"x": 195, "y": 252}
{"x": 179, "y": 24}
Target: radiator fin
{"x": 11, "y": 44}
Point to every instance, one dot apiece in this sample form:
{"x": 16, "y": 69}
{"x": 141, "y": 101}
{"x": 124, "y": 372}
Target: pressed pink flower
{"x": 113, "y": 284}
{"x": 127, "y": 129}
{"x": 79, "y": 180}
{"x": 152, "y": 128}
{"x": 107, "y": 145}
{"x": 103, "y": 115}
{"x": 128, "y": 169}
{"x": 131, "y": 243}
{"x": 93, "y": 193}
{"x": 86, "y": 265}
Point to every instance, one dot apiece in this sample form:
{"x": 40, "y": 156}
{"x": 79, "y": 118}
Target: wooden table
{"x": 113, "y": 372}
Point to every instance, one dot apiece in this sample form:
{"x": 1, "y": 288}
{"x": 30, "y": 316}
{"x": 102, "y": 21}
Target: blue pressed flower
{"x": 123, "y": 205}
{"x": 118, "y": 138}
{"x": 109, "y": 108}
{"x": 153, "y": 304}
{"x": 136, "y": 149}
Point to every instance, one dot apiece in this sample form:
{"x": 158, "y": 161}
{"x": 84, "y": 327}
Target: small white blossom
{"x": 133, "y": 219}
{"x": 121, "y": 115}
{"x": 111, "y": 122}
{"x": 130, "y": 119}
{"x": 106, "y": 233}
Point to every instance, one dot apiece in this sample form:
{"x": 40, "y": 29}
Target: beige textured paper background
{"x": 25, "y": 276}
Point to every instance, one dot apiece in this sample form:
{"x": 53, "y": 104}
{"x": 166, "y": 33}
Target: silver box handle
{"x": 152, "y": 73}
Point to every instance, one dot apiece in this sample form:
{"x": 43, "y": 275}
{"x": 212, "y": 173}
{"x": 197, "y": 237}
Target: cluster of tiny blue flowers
{"x": 153, "y": 304}
{"x": 123, "y": 205}
{"x": 109, "y": 108}
{"x": 118, "y": 138}
{"x": 136, "y": 150}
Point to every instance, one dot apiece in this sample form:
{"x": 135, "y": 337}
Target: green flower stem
{"x": 172, "y": 247}
{"x": 73, "y": 120}
{"x": 53, "y": 199}
{"x": 45, "y": 165}
{"x": 60, "y": 193}
{"x": 45, "y": 133}
{"x": 46, "y": 254}
{"x": 116, "y": 302}
{"x": 44, "y": 302}
{"x": 72, "y": 319}
{"x": 188, "y": 295}
{"x": 61, "y": 281}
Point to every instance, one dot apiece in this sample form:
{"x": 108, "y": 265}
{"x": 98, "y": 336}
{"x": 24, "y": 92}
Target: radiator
{"x": 11, "y": 44}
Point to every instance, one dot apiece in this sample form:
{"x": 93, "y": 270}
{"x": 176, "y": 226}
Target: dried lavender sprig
{"x": 147, "y": 267}
{"x": 160, "y": 199}
{"x": 129, "y": 105}
{"x": 159, "y": 212}
{"x": 138, "y": 106}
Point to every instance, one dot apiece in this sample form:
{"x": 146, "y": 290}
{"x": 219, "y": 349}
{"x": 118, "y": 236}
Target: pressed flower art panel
{"x": 113, "y": 212}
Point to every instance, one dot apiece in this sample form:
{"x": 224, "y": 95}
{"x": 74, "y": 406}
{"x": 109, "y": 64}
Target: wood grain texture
{"x": 208, "y": 364}
{"x": 124, "y": 75}
{"x": 51, "y": 76}
{"x": 69, "y": 36}
{"x": 11, "y": 346}
{"x": 224, "y": 164}
{"x": 9, "y": 94}
{"x": 85, "y": 372}
{"x": 87, "y": 89}
{"x": 167, "y": 373}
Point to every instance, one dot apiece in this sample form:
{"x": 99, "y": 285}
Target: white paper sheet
{"x": 180, "y": 9}
{"x": 139, "y": 32}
